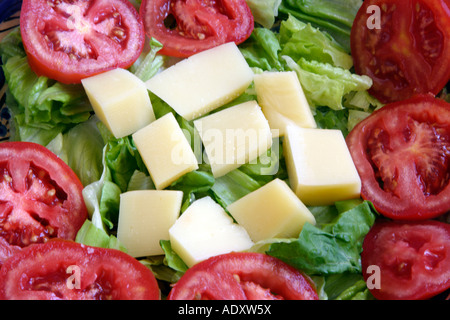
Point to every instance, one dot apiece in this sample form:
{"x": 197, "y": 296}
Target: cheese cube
{"x": 165, "y": 151}
{"x": 320, "y": 168}
{"x": 205, "y": 230}
{"x": 120, "y": 100}
{"x": 271, "y": 211}
{"x": 234, "y": 136}
{"x": 201, "y": 83}
{"x": 145, "y": 217}
{"x": 282, "y": 100}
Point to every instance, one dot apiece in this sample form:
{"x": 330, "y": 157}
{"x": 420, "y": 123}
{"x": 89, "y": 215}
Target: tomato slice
{"x": 413, "y": 259}
{"x": 403, "y": 45}
{"x": 190, "y": 26}
{"x": 71, "y": 271}
{"x": 70, "y": 40}
{"x": 40, "y": 197}
{"x": 243, "y": 276}
{"x": 401, "y": 152}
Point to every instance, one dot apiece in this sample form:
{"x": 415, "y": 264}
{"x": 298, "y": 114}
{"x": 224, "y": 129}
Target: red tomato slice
{"x": 402, "y": 155}
{"x": 243, "y": 276}
{"x": 40, "y": 197}
{"x": 413, "y": 259}
{"x": 403, "y": 45}
{"x": 187, "y": 27}
{"x": 71, "y": 40}
{"x": 71, "y": 271}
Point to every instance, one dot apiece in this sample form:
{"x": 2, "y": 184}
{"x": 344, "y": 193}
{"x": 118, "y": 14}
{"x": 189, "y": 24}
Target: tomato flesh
{"x": 401, "y": 154}
{"x": 413, "y": 257}
{"x": 408, "y": 52}
{"x": 40, "y": 197}
{"x": 243, "y": 276}
{"x": 187, "y": 27}
{"x": 72, "y": 271}
{"x": 70, "y": 40}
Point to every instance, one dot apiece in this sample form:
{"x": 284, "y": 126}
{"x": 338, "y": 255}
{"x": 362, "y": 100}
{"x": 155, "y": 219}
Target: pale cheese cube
{"x": 205, "y": 230}
{"x": 203, "y": 82}
{"x": 282, "y": 100}
{"x": 320, "y": 168}
{"x": 271, "y": 211}
{"x": 165, "y": 151}
{"x": 145, "y": 217}
{"x": 234, "y": 136}
{"x": 120, "y": 100}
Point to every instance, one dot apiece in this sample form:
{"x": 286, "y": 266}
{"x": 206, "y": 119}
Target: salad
{"x": 327, "y": 44}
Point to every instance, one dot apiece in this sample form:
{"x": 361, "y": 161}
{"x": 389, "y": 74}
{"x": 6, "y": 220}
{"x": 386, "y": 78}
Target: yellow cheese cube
{"x": 282, "y": 100}
{"x": 120, "y": 100}
{"x": 234, "y": 136}
{"x": 205, "y": 230}
{"x": 271, "y": 211}
{"x": 320, "y": 168}
{"x": 145, "y": 217}
{"x": 165, "y": 151}
{"x": 205, "y": 81}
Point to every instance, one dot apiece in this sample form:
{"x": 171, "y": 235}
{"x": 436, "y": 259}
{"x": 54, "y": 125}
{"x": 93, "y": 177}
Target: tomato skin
{"x": 413, "y": 257}
{"x": 243, "y": 276}
{"x": 200, "y": 25}
{"x": 40, "y": 197}
{"x": 408, "y": 53}
{"x": 41, "y": 272}
{"x": 400, "y": 152}
{"x": 71, "y": 41}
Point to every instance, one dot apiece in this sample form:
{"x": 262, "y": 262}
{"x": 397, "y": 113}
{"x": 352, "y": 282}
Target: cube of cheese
{"x": 282, "y": 100}
{"x": 205, "y": 230}
{"x": 207, "y": 80}
{"x": 120, "y": 100}
{"x": 320, "y": 168}
{"x": 271, "y": 211}
{"x": 145, "y": 217}
{"x": 234, "y": 136}
{"x": 165, "y": 151}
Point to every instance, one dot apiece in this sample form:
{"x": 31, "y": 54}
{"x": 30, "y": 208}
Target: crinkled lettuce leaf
{"x": 326, "y": 85}
{"x": 264, "y": 11}
{"x": 261, "y": 50}
{"x": 322, "y": 66}
{"x": 332, "y": 247}
{"x": 41, "y": 108}
{"x": 302, "y": 40}
{"x": 334, "y": 17}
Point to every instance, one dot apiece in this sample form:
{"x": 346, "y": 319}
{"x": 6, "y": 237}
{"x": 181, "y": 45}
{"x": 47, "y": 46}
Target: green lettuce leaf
{"x": 302, "y": 40}
{"x": 331, "y": 248}
{"x": 264, "y": 12}
{"x": 326, "y": 85}
{"x": 91, "y": 235}
{"x": 81, "y": 148}
{"x": 334, "y": 17}
{"x": 149, "y": 62}
{"x": 41, "y": 108}
{"x": 261, "y": 50}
